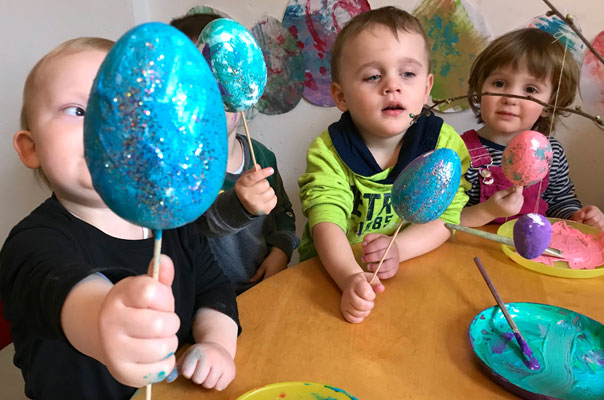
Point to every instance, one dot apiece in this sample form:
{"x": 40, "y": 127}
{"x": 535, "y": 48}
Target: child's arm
{"x": 276, "y": 261}
{"x": 505, "y": 203}
{"x": 130, "y": 327}
{"x": 209, "y": 362}
{"x": 338, "y": 259}
{"x": 233, "y": 209}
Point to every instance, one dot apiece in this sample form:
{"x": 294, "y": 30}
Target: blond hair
{"x": 542, "y": 55}
{"x": 69, "y": 47}
{"x": 391, "y": 17}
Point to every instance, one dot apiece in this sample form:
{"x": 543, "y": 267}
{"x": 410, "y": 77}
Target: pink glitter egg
{"x": 532, "y": 235}
{"x": 526, "y": 158}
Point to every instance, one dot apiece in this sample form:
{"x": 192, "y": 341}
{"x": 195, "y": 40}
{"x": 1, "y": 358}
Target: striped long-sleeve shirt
{"x": 560, "y": 193}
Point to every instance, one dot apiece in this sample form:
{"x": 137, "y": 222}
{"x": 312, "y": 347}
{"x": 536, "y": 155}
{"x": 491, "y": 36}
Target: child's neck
{"x": 494, "y": 136}
{"x": 385, "y": 151}
{"x": 235, "y": 153}
{"x": 105, "y": 220}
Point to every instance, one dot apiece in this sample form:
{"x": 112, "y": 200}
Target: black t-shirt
{"x": 50, "y": 251}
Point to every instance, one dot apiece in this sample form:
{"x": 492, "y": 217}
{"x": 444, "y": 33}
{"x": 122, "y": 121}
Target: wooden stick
{"x": 249, "y": 138}
{"x": 569, "y": 21}
{"x": 386, "y": 252}
{"x": 156, "y": 253}
{"x": 532, "y": 362}
{"x": 550, "y": 251}
{"x": 577, "y": 110}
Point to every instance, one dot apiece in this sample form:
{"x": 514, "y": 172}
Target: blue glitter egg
{"x": 427, "y": 186}
{"x": 155, "y": 132}
{"x": 237, "y": 62}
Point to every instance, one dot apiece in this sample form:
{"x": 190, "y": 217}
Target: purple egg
{"x": 532, "y": 235}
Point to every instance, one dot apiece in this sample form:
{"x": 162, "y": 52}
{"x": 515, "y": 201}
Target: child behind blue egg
{"x": 251, "y": 225}
{"x": 87, "y": 319}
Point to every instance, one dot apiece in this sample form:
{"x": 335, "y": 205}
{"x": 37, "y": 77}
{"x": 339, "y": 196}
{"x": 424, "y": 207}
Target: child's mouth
{"x": 393, "y": 109}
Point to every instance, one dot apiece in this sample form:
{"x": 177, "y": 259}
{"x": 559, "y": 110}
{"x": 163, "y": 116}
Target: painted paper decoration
{"x": 560, "y": 30}
{"x": 457, "y": 33}
{"x": 207, "y": 10}
{"x": 314, "y": 24}
{"x": 154, "y": 130}
{"x": 568, "y": 345}
{"x": 532, "y": 235}
{"x": 526, "y": 158}
{"x": 426, "y": 187}
{"x": 284, "y": 66}
{"x": 591, "y": 83}
{"x": 236, "y": 61}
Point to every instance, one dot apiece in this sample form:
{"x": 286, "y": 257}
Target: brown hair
{"x": 192, "y": 24}
{"x": 390, "y": 17}
{"x": 543, "y": 56}
{"x": 72, "y": 46}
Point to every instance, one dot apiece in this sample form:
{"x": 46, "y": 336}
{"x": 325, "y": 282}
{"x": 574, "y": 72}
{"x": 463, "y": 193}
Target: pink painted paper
{"x": 592, "y": 79}
{"x": 315, "y": 24}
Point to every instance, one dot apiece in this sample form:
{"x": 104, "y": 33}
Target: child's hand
{"x": 276, "y": 261}
{"x": 137, "y": 327}
{"x": 374, "y": 245}
{"x": 590, "y": 215}
{"x": 207, "y": 364}
{"x": 506, "y": 202}
{"x": 254, "y": 192}
{"x": 358, "y": 296}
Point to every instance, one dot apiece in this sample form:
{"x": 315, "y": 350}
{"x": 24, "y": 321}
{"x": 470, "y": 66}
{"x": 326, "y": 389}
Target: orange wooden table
{"x": 414, "y": 345}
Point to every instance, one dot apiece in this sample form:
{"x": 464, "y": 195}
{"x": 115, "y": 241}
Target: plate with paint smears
{"x": 569, "y": 347}
{"x": 560, "y": 268}
{"x": 297, "y": 391}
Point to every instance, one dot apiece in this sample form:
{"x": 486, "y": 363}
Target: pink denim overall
{"x": 492, "y": 180}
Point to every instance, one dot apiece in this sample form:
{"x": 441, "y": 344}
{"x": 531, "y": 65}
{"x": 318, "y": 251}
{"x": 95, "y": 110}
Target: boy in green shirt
{"x": 380, "y": 72}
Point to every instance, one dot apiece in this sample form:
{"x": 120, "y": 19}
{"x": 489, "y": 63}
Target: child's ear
{"x": 429, "y": 83}
{"x": 26, "y": 149}
{"x": 338, "y": 96}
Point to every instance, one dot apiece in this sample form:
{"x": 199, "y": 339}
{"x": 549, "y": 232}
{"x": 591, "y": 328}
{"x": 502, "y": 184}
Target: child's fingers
{"x": 149, "y": 324}
{"x": 213, "y": 375}
{"x": 365, "y": 294}
{"x": 376, "y": 286}
{"x": 144, "y": 292}
{"x": 251, "y": 177}
{"x": 353, "y": 318}
{"x": 148, "y": 351}
{"x": 166, "y": 270}
{"x": 191, "y": 362}
{"x": 259, "y": 274}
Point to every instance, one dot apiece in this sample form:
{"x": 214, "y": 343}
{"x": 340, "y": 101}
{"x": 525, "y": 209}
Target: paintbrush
{"x": 498, "y": 238}
{"x": 531, "y": 362}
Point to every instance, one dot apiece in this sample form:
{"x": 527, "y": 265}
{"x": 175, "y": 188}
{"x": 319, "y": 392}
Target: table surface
{"x": 414, "y": 345}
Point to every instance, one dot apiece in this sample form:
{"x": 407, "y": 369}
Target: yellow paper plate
{"x": 560, "y": 268}
{"x": 297, "y": 391}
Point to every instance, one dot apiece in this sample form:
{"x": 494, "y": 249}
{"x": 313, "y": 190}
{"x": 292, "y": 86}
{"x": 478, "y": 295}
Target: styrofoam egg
{"x": 526, "y": 158}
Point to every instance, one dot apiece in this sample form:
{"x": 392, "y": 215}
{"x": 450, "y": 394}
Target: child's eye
{"x": 408, "y": 74}
{"x": 499, "y": 84}
{"x": 531, "y": 90}
{"x": 372, "y": 78}
{"x": 75, "y": 111}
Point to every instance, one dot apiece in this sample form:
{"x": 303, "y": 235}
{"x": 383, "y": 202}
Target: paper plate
{"x": 569, "y": 347}
{"x": 560, "y": 268}
{"x": 297, "y": 391}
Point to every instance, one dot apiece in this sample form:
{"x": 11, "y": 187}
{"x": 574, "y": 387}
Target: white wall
{"x": 30, "y": 28}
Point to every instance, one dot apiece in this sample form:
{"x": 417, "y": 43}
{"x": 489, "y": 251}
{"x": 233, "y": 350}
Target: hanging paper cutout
{"x": 457, "y": 34}
{"x": 560, "y": 30}
{"x": 592, "y": 79}
{"x": 284, "y": 66}
{"x": 314, "y": 24}
{"x": 207, "y": 10}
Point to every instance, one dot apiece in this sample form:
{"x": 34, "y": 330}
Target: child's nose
{"x": 392, "y": 85}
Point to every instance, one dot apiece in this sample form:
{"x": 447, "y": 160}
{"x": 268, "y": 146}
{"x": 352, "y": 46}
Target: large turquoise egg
{"x": 155, "y": 129}
{"x": 427, "y": 186}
